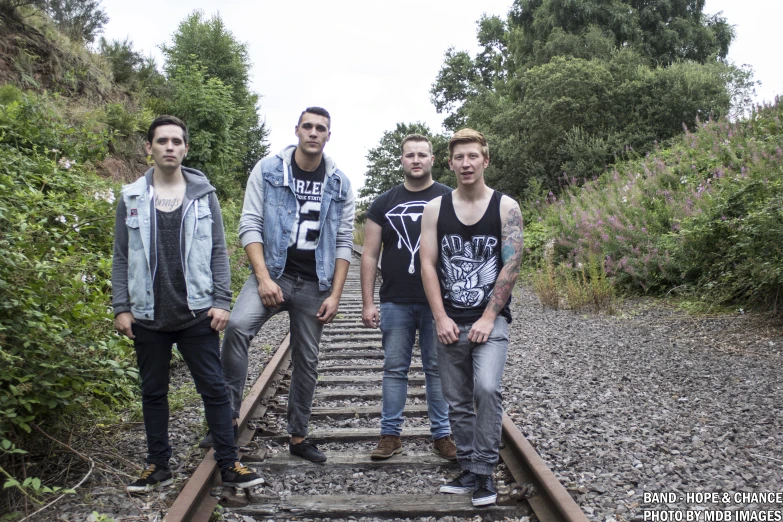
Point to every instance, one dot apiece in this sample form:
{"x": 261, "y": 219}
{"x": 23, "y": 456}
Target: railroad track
{"x": 346, "y": 425}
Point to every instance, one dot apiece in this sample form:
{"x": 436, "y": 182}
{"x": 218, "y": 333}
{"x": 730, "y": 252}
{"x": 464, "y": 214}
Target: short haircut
{"x": 167, "y": 119}
{"x": 464, "y": 136}
{"x": 320, "y": 111}
{"x": 414, "y": 137}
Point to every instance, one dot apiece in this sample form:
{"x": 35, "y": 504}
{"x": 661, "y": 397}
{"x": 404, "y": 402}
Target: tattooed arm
{"x": 511, "y": 252}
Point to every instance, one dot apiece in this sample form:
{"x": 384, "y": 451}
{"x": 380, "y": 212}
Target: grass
{"x": 576, "y": 288}
{"x": 699, "y": 217}
{"x": 358, "y": 233}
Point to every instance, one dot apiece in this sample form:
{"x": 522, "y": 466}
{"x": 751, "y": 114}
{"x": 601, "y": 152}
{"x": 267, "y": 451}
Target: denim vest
{"x": 197, "y": 230}
{"x": 280, "y": 215}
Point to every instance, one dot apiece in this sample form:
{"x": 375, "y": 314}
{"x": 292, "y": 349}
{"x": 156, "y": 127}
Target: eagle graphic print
{"x": 470, "y": 269}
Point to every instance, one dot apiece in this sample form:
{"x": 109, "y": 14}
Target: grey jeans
{"x": 301, "y": 299}
{"x": 471, "y": 375}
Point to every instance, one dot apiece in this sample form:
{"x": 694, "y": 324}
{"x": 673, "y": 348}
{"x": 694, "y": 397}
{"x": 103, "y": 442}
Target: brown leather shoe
{"x": 445, "y": 447}
{"x": 388, "y": 446}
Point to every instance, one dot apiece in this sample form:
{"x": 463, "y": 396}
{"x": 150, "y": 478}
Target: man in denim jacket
{"x": 297, "y": 230}
{"x": 171, "y": 284}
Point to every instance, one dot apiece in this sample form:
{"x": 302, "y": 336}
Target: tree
{"x": 385, "y": 170}
{"x": 207, "y": 107}
{"x": 81, "y": 20}
{"x": 569, "y": 86}
{"x": 209, "y": 44}
{"x": 129, "y": 68}
{"x": 662, "y": 31}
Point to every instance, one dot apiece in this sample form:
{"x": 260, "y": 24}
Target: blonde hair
{"x": 414, "y": 137}
{"x": 466, "y": 135}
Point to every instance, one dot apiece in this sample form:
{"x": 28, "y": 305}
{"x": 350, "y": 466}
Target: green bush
{"x": 57, "y": 350}
{"x": 704, "y": 216}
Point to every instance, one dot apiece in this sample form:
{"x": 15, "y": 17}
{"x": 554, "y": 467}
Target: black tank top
{"x": 469, "y": 261}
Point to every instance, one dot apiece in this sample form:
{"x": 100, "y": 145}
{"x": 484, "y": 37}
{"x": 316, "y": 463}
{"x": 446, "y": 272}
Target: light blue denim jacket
{"x": 269, "y": 214}
{"x": 203, "y": 248}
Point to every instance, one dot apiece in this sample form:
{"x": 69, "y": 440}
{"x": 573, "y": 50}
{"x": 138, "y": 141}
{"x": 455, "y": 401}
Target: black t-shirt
{"x": 398, "y": 211}
{"x": 169, "y": 287}
{"x": 469, "y": 261}
{"x": 308, "y": 187}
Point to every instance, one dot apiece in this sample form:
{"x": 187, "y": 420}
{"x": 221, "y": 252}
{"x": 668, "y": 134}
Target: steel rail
{"x": 552, "y": 503}
{"x": 194, "y": 503}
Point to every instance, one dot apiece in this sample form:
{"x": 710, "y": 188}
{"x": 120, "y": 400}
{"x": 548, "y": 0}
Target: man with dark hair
{"x": 297, "y": 230}
{"x": 171, "y": 284}
{"x": 167, "y": 120}
{"x": 394, "y": 222}
{"x": 471, "y": 250}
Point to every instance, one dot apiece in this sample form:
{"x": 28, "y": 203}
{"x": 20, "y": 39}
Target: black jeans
{"x": 200, "y": 347}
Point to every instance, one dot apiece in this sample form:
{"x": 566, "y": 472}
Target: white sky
{"x": 371, "y": 64}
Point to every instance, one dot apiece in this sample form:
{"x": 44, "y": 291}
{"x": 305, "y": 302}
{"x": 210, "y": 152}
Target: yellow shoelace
{"x": 147, "y": 472}
{"x": 242, "y": 470}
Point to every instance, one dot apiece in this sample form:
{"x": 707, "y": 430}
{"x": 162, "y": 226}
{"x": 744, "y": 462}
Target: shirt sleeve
{"x": 375, "y": 212}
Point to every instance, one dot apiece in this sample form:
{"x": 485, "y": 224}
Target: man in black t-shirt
{"x": 394, "y": 220}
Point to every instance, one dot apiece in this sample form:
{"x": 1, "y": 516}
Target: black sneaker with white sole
{"x": 151, "y": 479}
{"x": 240, "y": 476}
{"x": 485, "y": 493}
{"x": 307, "y": 450}
{"x": 464, "y": 484}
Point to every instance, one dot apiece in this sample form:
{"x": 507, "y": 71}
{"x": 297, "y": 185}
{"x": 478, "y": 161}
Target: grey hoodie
{"x": 197, "y": 186}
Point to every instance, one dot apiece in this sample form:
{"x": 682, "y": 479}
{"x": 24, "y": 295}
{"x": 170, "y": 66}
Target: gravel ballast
{"x": 648, "y": 400}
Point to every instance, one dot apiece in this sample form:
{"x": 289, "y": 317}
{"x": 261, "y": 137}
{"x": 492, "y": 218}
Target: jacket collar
{"x": 287, "y": 153}
{"x": 196, "y": 184}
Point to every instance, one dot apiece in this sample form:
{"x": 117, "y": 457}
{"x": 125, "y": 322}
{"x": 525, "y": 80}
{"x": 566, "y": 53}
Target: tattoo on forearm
{"x": 511, "y": 252}
{"x": 167, "y": 204}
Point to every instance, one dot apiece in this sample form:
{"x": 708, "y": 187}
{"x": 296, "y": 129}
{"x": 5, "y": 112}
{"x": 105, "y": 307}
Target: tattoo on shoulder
{"x": 513, "y": 239}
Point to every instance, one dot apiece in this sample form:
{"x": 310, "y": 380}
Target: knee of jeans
{"x": 396, "y": 366}
{"x": 235, "y": 329}
{"x": 213, "y": 389}
{"x": 154, "y": 396}
{"x": 486, "y": 389}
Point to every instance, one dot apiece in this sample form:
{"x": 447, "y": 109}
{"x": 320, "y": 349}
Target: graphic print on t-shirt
{"x": 470, "y": 269}
{"x": 308, "y": 208}
{"x": 401, "y": 218}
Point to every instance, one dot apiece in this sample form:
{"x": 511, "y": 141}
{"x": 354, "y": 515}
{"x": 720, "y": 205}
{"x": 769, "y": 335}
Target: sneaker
{"x": 307, "y": 450}
{"x": 151, "y": 479}
{"x": 207, "y": 441}
{"x": 445, "y": 447}
{"x": 240, "y": 476}
{"x": 465, "y": 483}
{"x": 485, "y": 493}
{"x": 388, "y": 446}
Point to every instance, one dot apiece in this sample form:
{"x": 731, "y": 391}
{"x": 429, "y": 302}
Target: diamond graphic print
{"x": 402, "y": 218}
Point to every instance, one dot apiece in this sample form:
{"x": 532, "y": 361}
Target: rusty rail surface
{"x": 552, "y": 503}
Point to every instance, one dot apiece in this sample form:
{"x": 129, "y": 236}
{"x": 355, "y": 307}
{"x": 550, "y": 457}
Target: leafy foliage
{"x": 574, "y": 85}
{"x": 703, "y": 217}
{"x": 129, "y": 68}
{"x": 207, "y": 107}
{"x": 58, "y": 352}
{"x": 81, "y": 20}
{"x": 208, "y": 47}
{"x": 661, "y": 31}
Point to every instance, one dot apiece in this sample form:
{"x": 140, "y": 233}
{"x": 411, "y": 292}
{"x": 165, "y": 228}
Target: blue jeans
{"x": 301, "y": 299}
{"x": 471, "y": 375}
{"x": 200, "y": 347}
{"x": 399, "y": 323}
